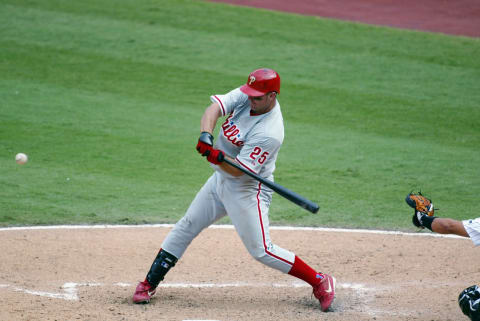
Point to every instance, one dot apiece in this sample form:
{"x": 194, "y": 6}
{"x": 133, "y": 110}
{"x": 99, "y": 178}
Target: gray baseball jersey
{"x": 473, "y": 229}
{"x": 254, "y": 141}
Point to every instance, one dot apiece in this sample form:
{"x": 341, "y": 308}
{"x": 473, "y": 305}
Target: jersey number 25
{"x": 256, "y": 151}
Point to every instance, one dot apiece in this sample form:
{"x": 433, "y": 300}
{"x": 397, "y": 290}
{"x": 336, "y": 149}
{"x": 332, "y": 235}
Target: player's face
{"x": 262, "y": 104}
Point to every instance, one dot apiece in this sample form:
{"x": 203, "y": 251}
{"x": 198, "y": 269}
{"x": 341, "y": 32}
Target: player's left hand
{"x": 216, "y": 156}
{"x": 420, "y": 203}
{"x": 205, "y": 143}
{"x": 417, "y": 219}
{"x": 422, "y": 206}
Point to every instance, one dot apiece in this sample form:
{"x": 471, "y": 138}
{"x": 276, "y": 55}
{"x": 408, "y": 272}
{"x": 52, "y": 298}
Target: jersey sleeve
{"x": 228, "y": 102}
{"x": 258, "y": 153}
{"x": 473, "y": 229}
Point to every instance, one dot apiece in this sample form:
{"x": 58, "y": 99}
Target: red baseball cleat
{"x": 325, "y": 291}
{"x": 143, "y": 292}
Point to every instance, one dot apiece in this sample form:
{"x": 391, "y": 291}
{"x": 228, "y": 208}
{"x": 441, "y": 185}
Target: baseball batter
{"x": 251, "y": 135}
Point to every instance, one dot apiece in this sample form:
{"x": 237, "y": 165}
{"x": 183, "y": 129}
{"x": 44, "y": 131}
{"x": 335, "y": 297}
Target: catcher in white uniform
{"x": 423, "y": 217}
{"x": 251, "y": 135}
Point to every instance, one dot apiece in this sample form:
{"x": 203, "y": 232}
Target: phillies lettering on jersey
{"x": 231, "y": 132}
{"x": 253, "y": 140}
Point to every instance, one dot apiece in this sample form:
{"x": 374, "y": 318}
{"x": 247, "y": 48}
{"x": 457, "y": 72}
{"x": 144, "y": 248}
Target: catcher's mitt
{"x": 420, "y": 203}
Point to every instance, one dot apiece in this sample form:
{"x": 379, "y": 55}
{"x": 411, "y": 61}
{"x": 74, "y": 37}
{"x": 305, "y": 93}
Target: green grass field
{"x": 106, "y": 98}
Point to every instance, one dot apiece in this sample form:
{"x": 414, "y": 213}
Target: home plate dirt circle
{"x": 90, "y": 273}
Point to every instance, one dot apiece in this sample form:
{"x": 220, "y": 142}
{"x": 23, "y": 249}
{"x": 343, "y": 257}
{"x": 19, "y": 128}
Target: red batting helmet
{"x": 261, "y": 82}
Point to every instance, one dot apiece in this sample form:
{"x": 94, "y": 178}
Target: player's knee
{"x": 258, "y": 253}
{"x": 187, "y": 227}
{"x": 261, "y": 257}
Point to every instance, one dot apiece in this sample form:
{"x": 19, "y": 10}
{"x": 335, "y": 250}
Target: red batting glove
{"x": 204, "y": 148}
{"x": 216, "y": 156}
{"x": 205, "y": 143}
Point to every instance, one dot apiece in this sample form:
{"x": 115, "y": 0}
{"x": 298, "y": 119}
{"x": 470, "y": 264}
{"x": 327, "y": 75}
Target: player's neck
{"x": 266, "y": 110}
{"x": 272, "y": 105}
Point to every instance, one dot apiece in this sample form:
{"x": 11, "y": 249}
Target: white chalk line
{"x": 70, "y": 289}
{"x": 215, "y": 226}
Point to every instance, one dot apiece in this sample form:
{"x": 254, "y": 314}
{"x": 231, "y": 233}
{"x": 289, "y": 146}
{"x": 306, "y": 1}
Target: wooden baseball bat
{"x": 283, "y": 191}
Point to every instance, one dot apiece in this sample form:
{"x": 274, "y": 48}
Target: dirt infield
{"x": 460, "y": 17}
{"x": 90, "y": 274}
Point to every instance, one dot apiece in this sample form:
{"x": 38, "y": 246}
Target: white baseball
{"x": 21, "y": 158}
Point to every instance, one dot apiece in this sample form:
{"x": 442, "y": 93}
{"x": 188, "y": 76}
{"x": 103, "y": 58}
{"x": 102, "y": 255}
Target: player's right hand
{"x": 216, "y": 156}
{"x": 205, "y": 143}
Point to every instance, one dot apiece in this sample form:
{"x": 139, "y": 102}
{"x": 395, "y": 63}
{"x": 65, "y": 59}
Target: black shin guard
{"x": 160, "y": 266}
